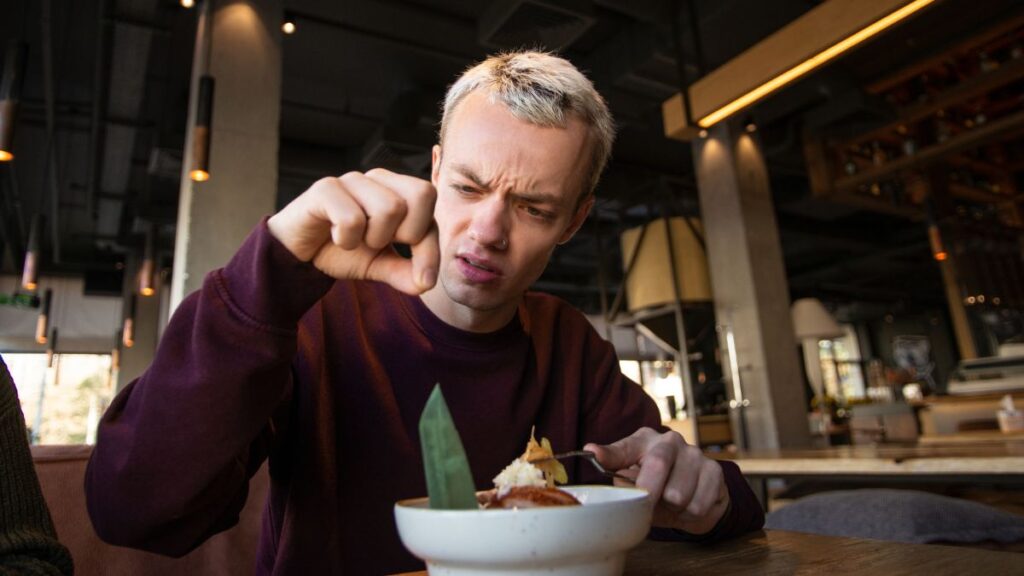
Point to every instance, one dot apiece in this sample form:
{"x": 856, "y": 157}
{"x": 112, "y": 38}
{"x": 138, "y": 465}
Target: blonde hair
{"x": 543, "y": 89}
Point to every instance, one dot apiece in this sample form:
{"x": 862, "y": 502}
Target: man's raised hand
{"x": 346, "y": 227}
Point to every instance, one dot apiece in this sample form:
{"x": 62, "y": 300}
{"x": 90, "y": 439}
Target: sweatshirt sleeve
{"x": 176, "y": 448}
{"x": 28, "y": 544}
{"x": 618, "y": 407}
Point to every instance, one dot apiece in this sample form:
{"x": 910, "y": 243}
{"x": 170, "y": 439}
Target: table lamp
{"x": 811, "y": 324}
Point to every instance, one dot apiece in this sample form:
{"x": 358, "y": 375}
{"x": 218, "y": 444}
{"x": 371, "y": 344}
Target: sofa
{"x": 61, "y": 471}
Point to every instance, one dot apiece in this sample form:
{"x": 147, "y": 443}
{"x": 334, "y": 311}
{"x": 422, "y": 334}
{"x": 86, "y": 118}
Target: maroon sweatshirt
{"x": 273, "y": 359}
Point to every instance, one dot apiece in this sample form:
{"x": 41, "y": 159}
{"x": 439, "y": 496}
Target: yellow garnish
{"x": 552, "y": 469}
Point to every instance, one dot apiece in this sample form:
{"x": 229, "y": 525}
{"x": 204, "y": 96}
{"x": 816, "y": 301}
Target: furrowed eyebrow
{"x": 538, "y": 198}
{"x": 467, "y": 172}
{"x": 529, "y": 197}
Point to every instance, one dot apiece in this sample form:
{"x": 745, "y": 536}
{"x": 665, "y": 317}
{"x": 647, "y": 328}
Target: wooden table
{"x": 967, "y": 462}
{"x": 974, "y": 438}
{"x": 780, "y": 552}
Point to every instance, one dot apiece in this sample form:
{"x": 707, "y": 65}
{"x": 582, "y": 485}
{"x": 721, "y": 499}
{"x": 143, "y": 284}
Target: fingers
{"x": 657, "y": 466}
{"x": 383, "y": 208}
{"x": 426, "y": 259}
{"x": 689, "y": 487}
{"x": 419, "y": 197}
{"x": 376, "y": 208}
{"x": 632, "y": 472}
{"x": 625, "y": 452}
{"x": 346, "y": 217}
{"x": 709, "y": 492}
{"x": 324, "y": 213}
{"x": 683, "y": 480}
{"x": 412, "y": 276}
{"x": 668, "y": 468}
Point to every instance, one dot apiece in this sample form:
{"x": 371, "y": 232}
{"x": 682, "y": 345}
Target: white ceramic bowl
{"x": 587, "y": 540}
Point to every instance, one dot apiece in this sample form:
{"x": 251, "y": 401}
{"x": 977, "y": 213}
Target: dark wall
{"x": 934, "y": 326}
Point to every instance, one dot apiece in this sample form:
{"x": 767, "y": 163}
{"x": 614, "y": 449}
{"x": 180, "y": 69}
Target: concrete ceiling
{"x": 361, "y": 83}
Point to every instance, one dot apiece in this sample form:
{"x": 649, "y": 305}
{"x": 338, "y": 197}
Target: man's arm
{"x": 176, "y": 448}
{"x": 698, "y": 498}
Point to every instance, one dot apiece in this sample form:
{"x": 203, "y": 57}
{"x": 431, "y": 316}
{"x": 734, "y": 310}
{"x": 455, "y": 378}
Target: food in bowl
{"x": 587, "y": 540}
{"x": 529, "y": 481}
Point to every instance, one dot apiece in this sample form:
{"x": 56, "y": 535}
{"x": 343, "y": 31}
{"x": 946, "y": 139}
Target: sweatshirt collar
{"x": 439, "y": 330}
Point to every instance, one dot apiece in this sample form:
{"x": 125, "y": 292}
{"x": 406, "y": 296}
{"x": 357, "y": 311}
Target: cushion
{"x": 898, "y": 515}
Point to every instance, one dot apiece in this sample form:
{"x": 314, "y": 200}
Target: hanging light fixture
{"x": 10, "y": 92}
{"x": 43, "y": 322}
{"x": 939, "y": 252}
{"x": 201, "y": 133}
{"x": 128, "y": 329}
{"x": 30, "y": 271}
{"x": 115, "y": 352}
{"x": 147, "y": 269}
{"x": 188, "y": 3}
{"x": 115, "y": 361}
{"x": 935, "y": 239}
{"x": 51, "y": 349}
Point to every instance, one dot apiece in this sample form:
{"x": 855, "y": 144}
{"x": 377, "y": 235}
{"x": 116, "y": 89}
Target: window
{"x": 63, "y": 402}
{"x": 661, "y": 382}
{"x": 841, "y": 365}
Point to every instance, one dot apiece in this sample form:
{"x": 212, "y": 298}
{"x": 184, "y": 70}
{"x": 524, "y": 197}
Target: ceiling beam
{"x": 809, "y": 35}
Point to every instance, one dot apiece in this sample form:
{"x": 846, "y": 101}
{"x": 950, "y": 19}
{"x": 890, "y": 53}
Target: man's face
{"x": 507, "y": 194}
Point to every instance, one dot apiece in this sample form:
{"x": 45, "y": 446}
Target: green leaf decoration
{"x": 449, "y": 481}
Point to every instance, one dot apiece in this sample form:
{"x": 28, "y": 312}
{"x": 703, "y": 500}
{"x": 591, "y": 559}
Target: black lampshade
{"x": 200, "y": 171}
{"x": 128, "y": 329}
{"x": 147, "y": 270}
{"x": 10, "y": 92}
{"x": 51, "y": 348}
{"x": 30, "y": 271}
{"x": 43, "y": 322}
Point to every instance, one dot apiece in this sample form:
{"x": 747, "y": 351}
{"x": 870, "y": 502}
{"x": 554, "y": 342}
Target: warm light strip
{"x": 811, "y": 63}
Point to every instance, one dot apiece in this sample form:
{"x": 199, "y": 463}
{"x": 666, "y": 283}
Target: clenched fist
{"x": 346, "y": 227}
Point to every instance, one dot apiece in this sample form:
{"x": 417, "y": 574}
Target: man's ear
{"x": 577, "y": 219}
{"x": 435, "y": 164}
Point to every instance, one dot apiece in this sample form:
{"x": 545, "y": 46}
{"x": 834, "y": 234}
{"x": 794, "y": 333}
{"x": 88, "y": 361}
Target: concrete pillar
{"x": 241, "y": 40}
{"x": 749, "y": 284}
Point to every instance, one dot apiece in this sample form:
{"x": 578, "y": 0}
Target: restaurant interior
{"x": 807, "y": 246}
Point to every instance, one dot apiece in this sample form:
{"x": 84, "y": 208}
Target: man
{"x": 317, "y": 346}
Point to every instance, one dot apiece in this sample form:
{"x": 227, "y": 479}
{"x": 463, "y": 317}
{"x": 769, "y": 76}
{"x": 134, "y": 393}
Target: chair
{"x": 61, "y": 471}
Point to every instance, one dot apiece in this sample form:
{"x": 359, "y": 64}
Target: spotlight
{"x": 288, "y": 26}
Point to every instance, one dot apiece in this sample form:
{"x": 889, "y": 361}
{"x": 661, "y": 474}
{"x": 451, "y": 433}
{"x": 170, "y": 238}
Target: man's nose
{"x": 490, "y": 223}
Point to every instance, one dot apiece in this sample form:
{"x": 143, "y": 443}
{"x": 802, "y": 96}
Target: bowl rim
{"x": 639, "y": 495}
